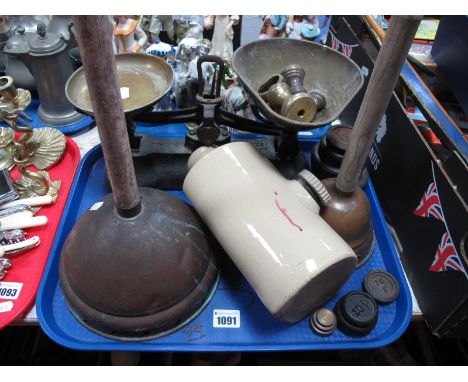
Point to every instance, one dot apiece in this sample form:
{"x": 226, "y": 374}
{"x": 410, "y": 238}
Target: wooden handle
{"x": 376, "y": 27}
{"x": 387, "y": 68}
{"x": 17, "y": 216}
{"x": 380, "y": 32}
{"x": 35, "y": 201}
{"x": 23, "y": 223}
{"x": 94, "y": 36}
{"x": 29, "y": 243}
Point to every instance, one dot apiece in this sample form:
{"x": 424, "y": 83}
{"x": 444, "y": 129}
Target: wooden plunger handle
{"x": 376, "y": 27}
{"x": 387, "y": 68}
{"x": 94, "y": 36}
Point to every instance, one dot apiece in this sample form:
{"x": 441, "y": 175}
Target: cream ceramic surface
{"x": 270, "y": 228}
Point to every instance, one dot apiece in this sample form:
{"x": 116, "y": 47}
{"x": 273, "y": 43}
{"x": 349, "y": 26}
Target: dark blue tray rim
{"x": 379, "y": 225}
{"x": 76, "y": 127}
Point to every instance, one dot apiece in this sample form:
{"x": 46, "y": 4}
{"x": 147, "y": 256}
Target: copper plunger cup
{"x": 138, "y": 264}
{"x": 349, "y": 211}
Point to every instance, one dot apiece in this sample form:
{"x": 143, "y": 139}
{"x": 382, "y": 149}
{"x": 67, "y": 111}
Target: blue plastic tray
{"x": 37, "y": 123}
{"x": 259, "y": 330}
{"x": 178, "y": 130}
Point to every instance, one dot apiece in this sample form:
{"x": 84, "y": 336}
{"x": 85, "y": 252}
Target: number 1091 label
{"x": 226, "y": 318}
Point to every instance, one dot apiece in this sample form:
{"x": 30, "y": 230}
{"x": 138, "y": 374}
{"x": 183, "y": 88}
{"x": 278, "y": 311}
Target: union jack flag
{"x": 347, "y": 50}
{"x": 446, "y": 257}
{"x": 430, "y": 204}
{"x": 335, "y": 42}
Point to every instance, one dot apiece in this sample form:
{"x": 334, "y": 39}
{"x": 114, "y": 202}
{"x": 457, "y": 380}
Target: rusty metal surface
{"x": 138, "y": 278}
{"x": 148, "y": 78}
{"x": 326, "y": 71}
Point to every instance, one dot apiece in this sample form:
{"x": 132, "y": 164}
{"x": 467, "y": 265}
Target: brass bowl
{"x": 147, "y": 79}
{"x": 327, "y": 71}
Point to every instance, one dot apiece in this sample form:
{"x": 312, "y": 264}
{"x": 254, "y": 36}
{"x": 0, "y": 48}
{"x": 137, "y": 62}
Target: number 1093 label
{"x": 10, "y": 291}
{"x": 226, "y": 318}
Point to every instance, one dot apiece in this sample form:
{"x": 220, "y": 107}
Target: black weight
{"x": 382, "y": 286}
{"x": 356, "y": 313}
{"x": 359, "y": 308}
{"x": 329, "y": 154}
{"x": 338, "y": 138}
{"x": 348, "y": 328}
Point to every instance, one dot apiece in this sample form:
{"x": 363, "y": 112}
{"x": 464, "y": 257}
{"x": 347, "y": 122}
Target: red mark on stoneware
{"x": 285, "y": 213}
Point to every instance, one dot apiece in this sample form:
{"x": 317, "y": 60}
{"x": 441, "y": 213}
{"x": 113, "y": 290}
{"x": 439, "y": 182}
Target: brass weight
{"x": 299, "y": 107}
